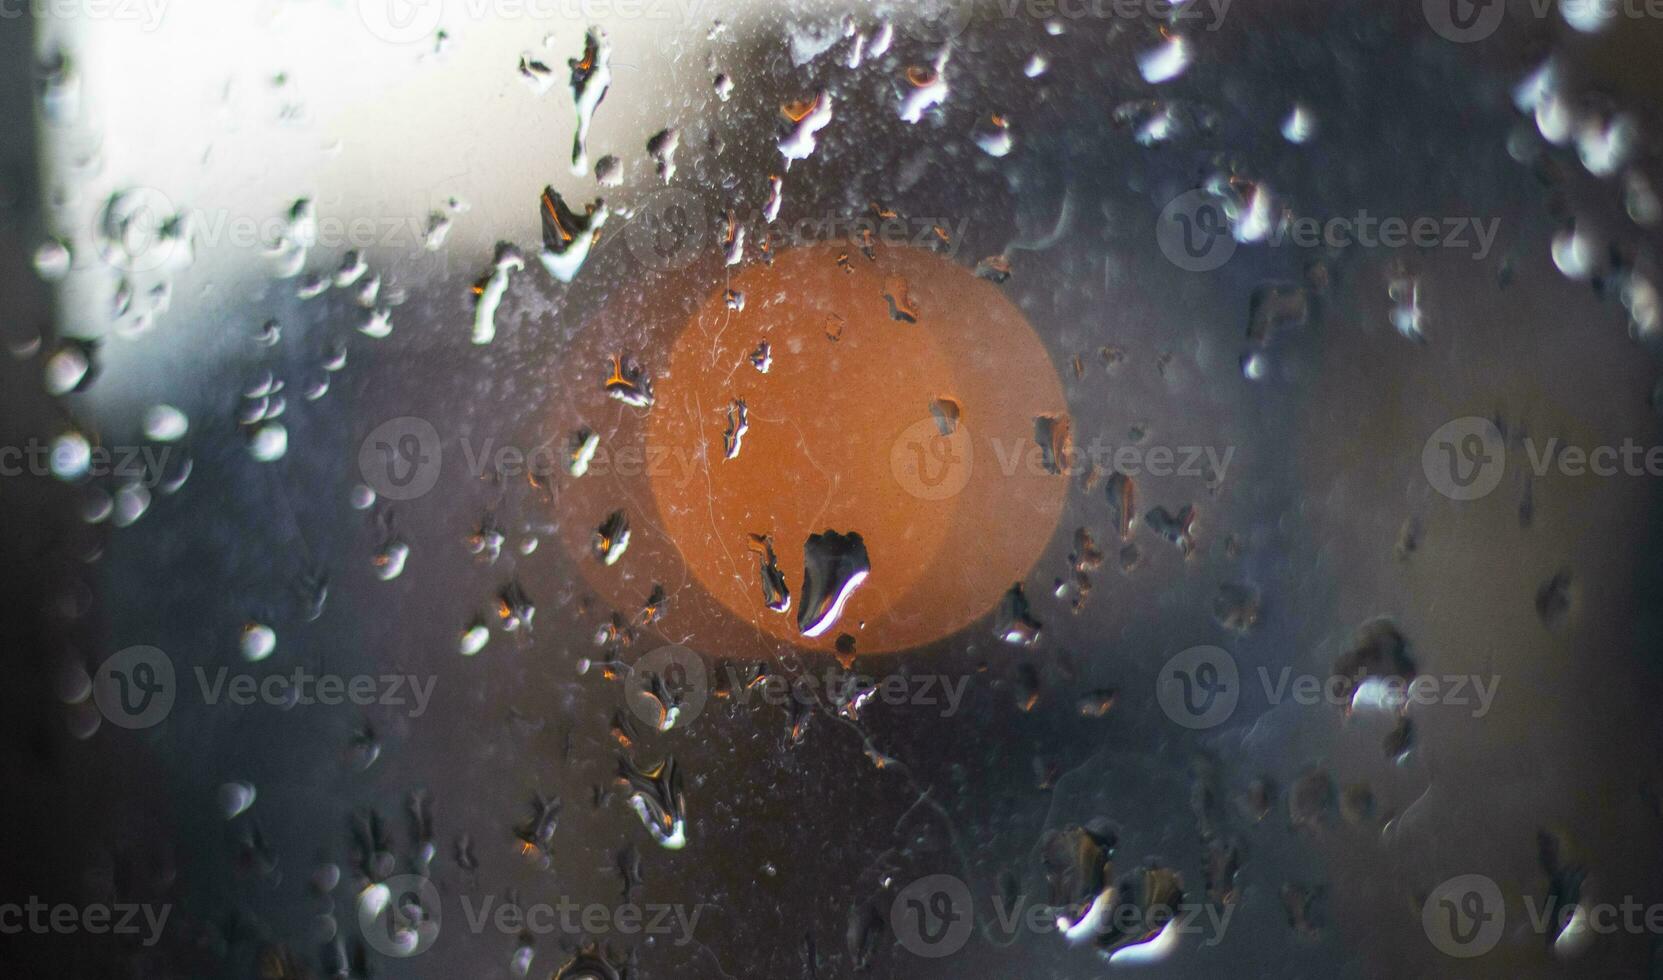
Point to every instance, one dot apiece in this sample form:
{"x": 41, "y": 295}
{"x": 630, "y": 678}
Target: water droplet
{"x": 1014, "y": 622}
{"x": 993, "y": 135}
{"x": 662, "y": 148}
{"x": 655, "y": 794}
{"x": 590, "y": 79}
{"x": 489, "y": 291}
{"x": 611, "y": 538}
{"x": 71, "y": 456}
{"x": 164, "y": 423}
{"x": 1299, "y": 126}
{"x": 897, "y": 292}
{"x": 807, "y": 118}
{"x": 377, "y": 323}
{"x": 581, "y": 452}
{"x": 537, "y": 76}
{"x": 1176, "y": 528}
{"x": 390, "y": 560}
{"x": 52, "y": 261}
{"x": 775, "y": 593}
{"x": 1054, "y": 433}
{"x": 1165, "y": 61}
{"x": 130, "y": 503}
{"x": 235, "y": 798}
{"x": 926, "y": 88}
{"x": 609, "y": 171}
{"x": 257, "y": 642}
{"x": 568, "y": 236}
{"x": 738, "y": 424}
{"x": 67, "y": 369}
{"x": 268, "y": 442}
{"x": 834, "y": 566}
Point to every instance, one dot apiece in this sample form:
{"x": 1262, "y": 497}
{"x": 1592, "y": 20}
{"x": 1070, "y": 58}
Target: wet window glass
{"x": 662, "y": 488}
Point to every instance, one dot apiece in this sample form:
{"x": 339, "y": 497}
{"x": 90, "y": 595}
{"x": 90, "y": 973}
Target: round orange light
{"x": 899, "y": 402}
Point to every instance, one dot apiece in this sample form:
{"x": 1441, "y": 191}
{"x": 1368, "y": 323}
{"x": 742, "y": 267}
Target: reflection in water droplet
{"x": 926, "y": 88}
{"x": 489, "y": 291}
{"x": 738, "y": 424}
{"x": 655, "y": 794}
{"x": 1165, "y": 61}
{"x": 258, "y": 641}
{"x": 775, "y": 594}
{"x": 807, "y": 119}
{"x": 1300, "y": 125}
{"x": 611, "y": 538}
{"x": 591, "y": 77}
{"x": 834, "y": 566}
{"x": 568, "y": 236}
{"x": 235, "y": 798}
{"x": 629, "y": 383}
